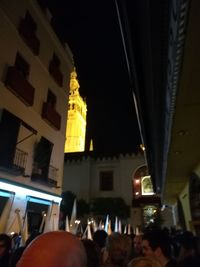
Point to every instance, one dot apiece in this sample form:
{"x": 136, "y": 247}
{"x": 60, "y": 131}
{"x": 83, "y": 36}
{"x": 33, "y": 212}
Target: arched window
{"x": 142, "y": 184}
{"x": 147, "y": 187}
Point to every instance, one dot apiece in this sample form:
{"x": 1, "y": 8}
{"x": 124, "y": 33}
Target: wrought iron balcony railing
{"x": 18, "y": 165}
{"x": 49, "y": 179}
{"x": 20, "y": 159}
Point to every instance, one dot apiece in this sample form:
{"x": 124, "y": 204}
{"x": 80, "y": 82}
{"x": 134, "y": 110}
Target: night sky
{"x": 92, "y": 32}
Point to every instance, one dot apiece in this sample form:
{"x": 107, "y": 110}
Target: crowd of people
{"x": 154, "y": 247}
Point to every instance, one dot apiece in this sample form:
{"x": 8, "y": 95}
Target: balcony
{"x": 17, "y": 167}
{"x": 18, "y": 85}
{"x": 29, "y": 37}
{"x": 56, "y": 73}
{"x": 51, "y": 116}
{"x": 38, "y": 175}
{"x": 20, "y": 159}
{"x": 52, "y": 177}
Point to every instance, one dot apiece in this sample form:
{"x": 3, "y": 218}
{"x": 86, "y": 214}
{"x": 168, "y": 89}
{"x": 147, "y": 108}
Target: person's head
{"x": 137, "y": 242}
{"x": 144, "y": 262}
{"x": 116, "y": 248}
{"x": 54, "y": 249}
{"x": 127, "y": 246}
{"x": 99, "y": 237}
{"x": 93, "y": 253}
{"x": 5, "y": 244}
{"x": 156, "y": 243}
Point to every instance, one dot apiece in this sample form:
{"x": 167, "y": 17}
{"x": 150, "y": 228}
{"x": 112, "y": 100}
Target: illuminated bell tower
{"x": 76, "y": 119}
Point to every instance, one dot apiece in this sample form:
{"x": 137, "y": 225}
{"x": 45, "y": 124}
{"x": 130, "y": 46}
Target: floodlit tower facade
{"x": 76, "y": 120}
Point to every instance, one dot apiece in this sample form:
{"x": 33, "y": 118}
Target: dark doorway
{"x": 35, "y": 214}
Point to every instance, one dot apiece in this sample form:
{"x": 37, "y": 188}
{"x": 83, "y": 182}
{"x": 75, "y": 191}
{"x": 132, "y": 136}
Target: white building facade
{"x": 90, "y": 177}
{"x": 34, "y": 88}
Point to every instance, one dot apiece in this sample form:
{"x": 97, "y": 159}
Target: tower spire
{"x": 91, "y": 145}
{"x": 76, "y": 119}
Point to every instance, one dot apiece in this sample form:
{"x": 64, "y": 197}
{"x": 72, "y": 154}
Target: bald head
{"x": 54, "y": 249}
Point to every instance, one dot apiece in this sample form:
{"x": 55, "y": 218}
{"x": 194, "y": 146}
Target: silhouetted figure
{"x": 188, "y": 255}
{"x": 99, "y": 237}
{"x": 5, "y": 247}
{"x": 93, "y": 253}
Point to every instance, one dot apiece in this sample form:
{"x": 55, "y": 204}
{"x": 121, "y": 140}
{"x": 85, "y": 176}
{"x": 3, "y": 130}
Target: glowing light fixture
{"x": 29, "y": 192}
{"x": 12, "y": 233}
{"x": 142, "y": 147}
